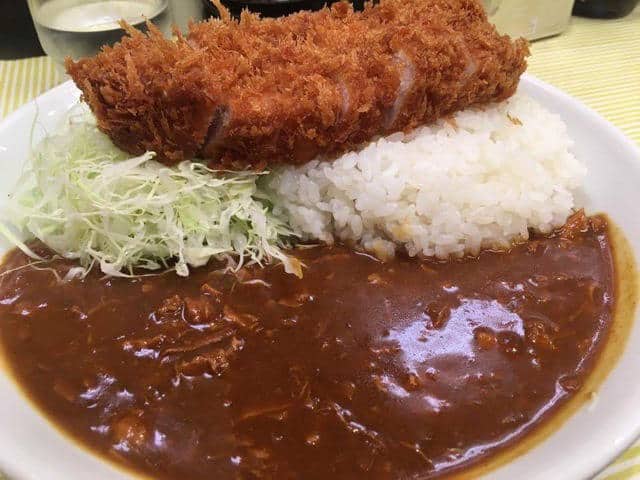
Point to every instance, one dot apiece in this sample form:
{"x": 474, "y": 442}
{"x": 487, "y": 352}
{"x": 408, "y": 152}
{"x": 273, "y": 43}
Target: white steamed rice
{"x": 478, "y": 181}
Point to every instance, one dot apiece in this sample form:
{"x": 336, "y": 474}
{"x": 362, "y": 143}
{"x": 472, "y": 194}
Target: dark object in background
{"x": 273, "y": 8}
{"x": 604, "y": 8}
{"x": 18, "y": 37}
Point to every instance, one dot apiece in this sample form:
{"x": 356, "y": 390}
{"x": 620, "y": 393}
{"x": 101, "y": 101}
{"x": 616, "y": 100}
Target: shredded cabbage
{"x": 87, "y": 200}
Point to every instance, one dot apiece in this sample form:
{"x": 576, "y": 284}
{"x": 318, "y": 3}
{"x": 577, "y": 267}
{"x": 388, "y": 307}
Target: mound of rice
{"x": 478, "y": 180}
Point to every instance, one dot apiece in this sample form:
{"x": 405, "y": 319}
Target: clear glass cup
{"x": 78, "y": 28}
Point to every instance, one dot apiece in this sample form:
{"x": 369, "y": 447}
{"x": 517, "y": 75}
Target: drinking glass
{"x": 78, "y": 28}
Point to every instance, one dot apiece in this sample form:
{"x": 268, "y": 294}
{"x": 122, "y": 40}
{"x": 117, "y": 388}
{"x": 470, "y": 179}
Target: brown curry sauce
{"x": 361, "y": 369}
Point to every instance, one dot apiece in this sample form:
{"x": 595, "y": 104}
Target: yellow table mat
{"x": 23, "y": 80}
{"x": 597, "y": 61}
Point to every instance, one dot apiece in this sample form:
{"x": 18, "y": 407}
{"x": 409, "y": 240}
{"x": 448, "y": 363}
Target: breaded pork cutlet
{"x": 258, "y": 92}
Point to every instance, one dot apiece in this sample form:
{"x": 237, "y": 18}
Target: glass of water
{"x": 78, "y": 28}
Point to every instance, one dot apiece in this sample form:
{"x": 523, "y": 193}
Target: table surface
{"x": 596, "y": 61}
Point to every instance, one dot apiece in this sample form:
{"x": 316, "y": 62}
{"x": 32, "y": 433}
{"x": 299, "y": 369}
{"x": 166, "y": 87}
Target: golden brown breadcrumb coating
{"x": 258, "y": 92}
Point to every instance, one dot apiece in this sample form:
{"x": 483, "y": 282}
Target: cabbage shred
{"x": 87, "y": 200}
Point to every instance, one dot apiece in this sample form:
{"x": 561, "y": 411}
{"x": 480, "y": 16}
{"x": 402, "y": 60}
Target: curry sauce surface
{"x": 362, "y": 369}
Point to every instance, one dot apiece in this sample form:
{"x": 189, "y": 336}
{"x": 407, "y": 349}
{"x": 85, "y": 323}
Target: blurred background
{"x": 77, "y": 27}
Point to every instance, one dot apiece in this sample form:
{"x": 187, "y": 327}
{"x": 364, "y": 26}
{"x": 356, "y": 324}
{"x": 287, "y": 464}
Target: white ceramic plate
{"x": 31, "y": 448}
